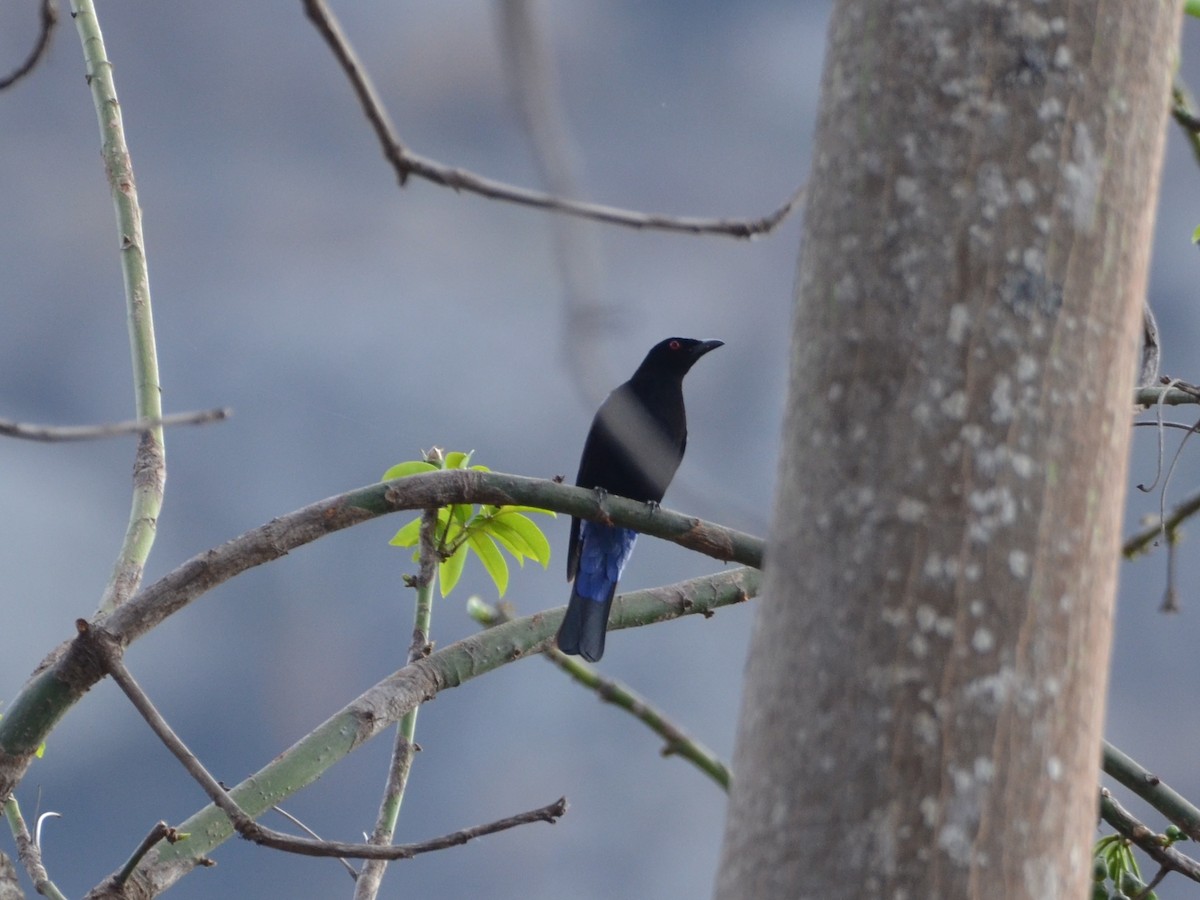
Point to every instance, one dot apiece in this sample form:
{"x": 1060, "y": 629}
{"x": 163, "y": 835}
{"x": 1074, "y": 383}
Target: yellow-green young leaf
{"x": 456, "y": 459}
{"x": 481, "y": 468}
{"x": 451, "y": 570}
{"x": 491, "y": 557}
{"x": 510, "y": 540}
{"x": 507, "y": 538}
{"x": 408, "y": 534}
{"x": 539, "y": 547}
{"x": 531, "y": 509}
{"x": 451, "y": 537}
{"x": 443, "y": 526}
{"x": 404, "y": 469}
{"x": 463, "y": 512}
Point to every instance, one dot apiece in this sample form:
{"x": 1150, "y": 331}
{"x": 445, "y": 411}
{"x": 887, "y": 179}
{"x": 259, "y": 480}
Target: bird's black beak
{"x": 704, "y": 346}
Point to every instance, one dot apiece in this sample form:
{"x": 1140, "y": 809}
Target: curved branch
{"x": 388, "y": 701}
{"x": 150, "y": 461}
{"x": 49, "y": 18}
{"x": 63, "y": 677}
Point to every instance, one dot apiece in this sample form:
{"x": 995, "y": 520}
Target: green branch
{"x": 67, "y": 674}
{"x": 405, "y": 747}
{"x": 1153, "y": 790}
{"x": 387, "y": 702}
{"x": 150, "y": 468}
{"x": 677, "y": 741}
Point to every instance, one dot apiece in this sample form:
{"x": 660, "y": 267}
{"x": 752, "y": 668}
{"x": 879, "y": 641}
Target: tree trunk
{"x": 927, "y": 676}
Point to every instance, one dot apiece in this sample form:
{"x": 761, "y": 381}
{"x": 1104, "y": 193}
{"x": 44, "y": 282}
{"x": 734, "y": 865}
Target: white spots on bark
{"x": 1082, "y": 174}
{"x": 960, "y": 323}
{"x": 961, "y": 809}
{"x": 994, "y": 508}
{"x": 909, "y": 509}
{"x": 1003, "y": 410}
{"x": 1018, "y": 563}
{"x": 982, "y": 641}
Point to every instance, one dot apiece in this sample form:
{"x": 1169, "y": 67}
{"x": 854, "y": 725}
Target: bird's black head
{"x": 676, "y": 355}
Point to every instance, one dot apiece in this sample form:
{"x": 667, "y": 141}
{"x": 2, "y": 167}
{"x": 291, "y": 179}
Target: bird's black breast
{"x": 636, "y": 442}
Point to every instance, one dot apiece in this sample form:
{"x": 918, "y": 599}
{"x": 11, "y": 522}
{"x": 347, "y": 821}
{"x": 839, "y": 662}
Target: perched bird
{"x": 635, "y": 444}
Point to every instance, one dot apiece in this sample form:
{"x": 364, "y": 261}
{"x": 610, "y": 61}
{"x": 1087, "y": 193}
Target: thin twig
{"x": 1158, "y": 413}
{"x": 160, "y": 831}
{"x": 106, "y": 648}
{"x": 55, "y": 433}
{"x": 150, "y": 463}
{"x": 1142, "y": 540}
{"x": 404, "y": 748}
{"x": 678, "y": 742}
{"x": 49, "y": 18}
{"x": 29, "y": 852}
{"x": 1152, "y": 844}
{"x": 406, "y": 163}
{"x": 312, "y": 834}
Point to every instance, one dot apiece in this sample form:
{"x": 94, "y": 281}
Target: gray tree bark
{"x": 927, "y": 675}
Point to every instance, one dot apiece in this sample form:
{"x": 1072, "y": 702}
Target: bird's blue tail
{"x": 603, "y": 553}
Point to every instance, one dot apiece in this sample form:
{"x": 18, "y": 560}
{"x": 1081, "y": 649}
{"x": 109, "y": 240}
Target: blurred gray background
{"x": 350, "y": 324}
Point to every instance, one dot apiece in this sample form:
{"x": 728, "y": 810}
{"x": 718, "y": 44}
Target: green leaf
{"x": 530, "y": 509}
{"x": 481, "y": 468}
{"x": 539, "y": 547}
{"x": 452, "y": 538}
{"x": 463, "y": 512}
{"x": 451, "y": 570}
{"x": 440, "y": 534}
{"x": 408, "y": 535}
{"x": 507, "y": 538}
{"x": 456, "y": 459}
{"x": 491, "y": 557}
{"x": 404, "y": 469}
{"x": 1192, "y": 8}
{"x": 1196, "y": 233}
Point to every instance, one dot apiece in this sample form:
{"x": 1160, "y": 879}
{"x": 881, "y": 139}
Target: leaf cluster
{"x": 464, "y": 528}
{"x": 1115, "y": 863}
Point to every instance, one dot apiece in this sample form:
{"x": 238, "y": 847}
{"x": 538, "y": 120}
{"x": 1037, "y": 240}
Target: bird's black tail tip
{"x": 583, "y": 628}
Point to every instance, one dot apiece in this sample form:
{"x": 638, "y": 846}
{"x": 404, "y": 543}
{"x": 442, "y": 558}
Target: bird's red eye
{"x": 674, "y": 345}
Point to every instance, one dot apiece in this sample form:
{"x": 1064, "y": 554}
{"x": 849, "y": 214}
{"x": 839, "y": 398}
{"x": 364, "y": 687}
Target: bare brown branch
{"x": 406, "y": 163}
{"x": 109, "y": 652}
{"x": 57, "y": 433}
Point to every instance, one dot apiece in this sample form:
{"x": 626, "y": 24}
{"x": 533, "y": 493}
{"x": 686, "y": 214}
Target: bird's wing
{"x": 573, "y": 551}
